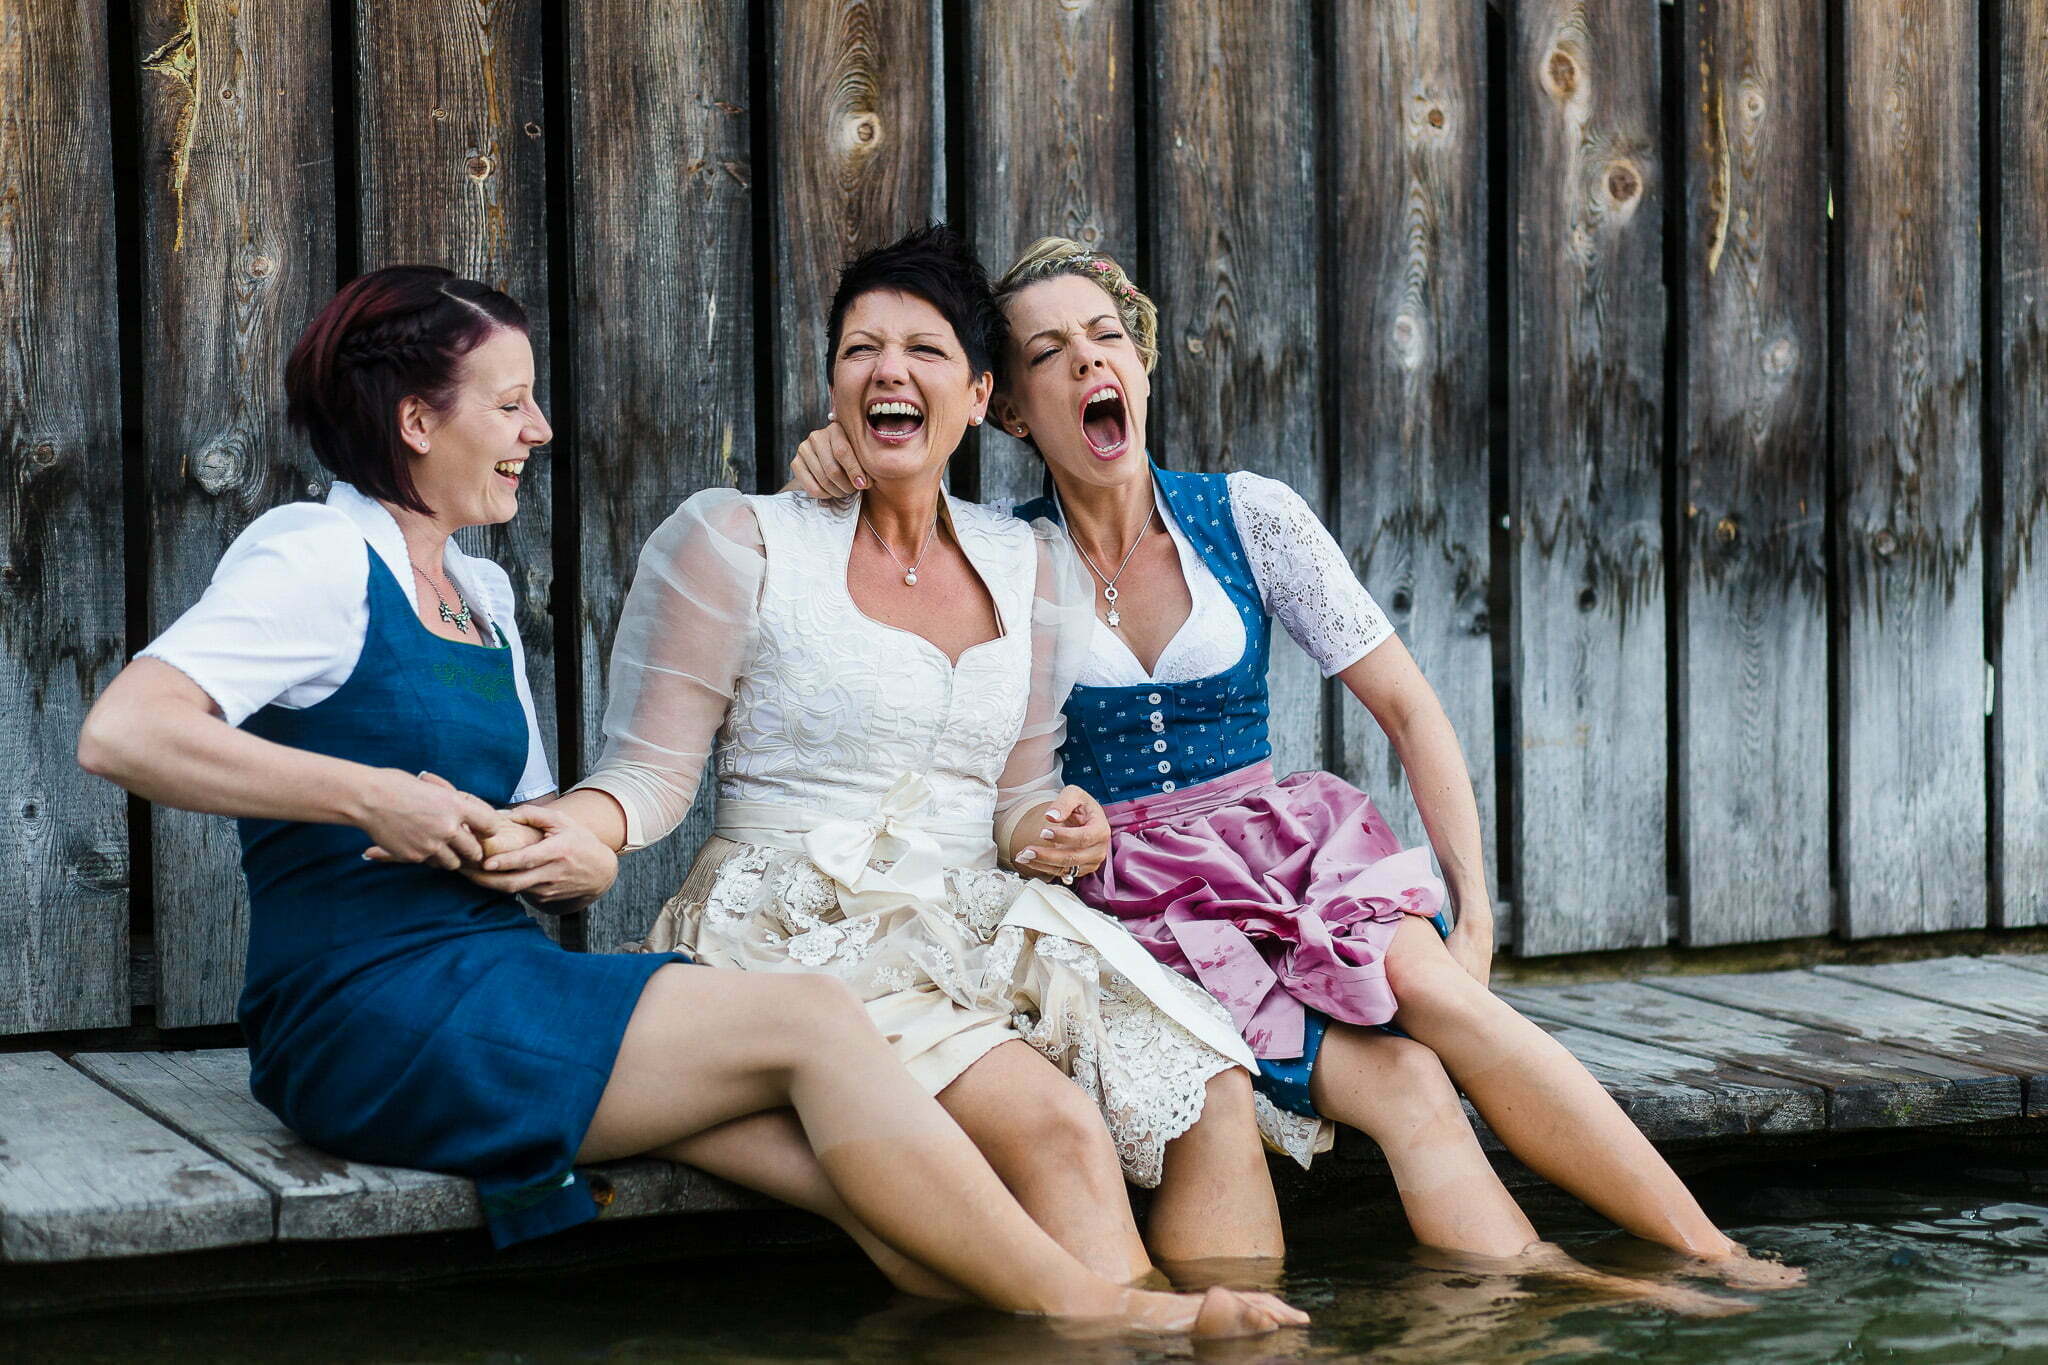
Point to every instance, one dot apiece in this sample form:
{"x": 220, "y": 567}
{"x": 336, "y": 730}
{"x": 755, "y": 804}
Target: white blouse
{"x": 284, "y": 619}
{"x": 1303, "y": 579}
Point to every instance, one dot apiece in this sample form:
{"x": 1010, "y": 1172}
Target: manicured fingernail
{"x": 1055, "y": 815}
{"x": 860, "y": 483}
{"x": 1045, "y": 834}
{"x": 1027, "y": 855}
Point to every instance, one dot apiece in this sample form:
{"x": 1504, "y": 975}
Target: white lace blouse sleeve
{"x": 1303, "y": 577}
{"x": 1062, "y": 624}
{"x": 283, "y": 619}
{"x": 686, "y": 634}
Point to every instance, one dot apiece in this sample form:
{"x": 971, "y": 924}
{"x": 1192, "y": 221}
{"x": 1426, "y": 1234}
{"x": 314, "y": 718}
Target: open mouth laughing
{"x": 894, "y": 419}
{"x": 1103, "y": 421}
{"x": 509, "y": 470}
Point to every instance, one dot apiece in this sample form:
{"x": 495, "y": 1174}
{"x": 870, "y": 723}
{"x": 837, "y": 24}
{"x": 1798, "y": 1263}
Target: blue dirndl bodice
{"x": 1125, "y": 742}
{"x": 399, "y": 1013}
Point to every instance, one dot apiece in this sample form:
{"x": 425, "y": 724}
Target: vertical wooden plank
{"x": 1408, "y": 365}
{"x": 63, "y": 835}
{"x": 1910, "y": 549}
{"x": 857, "y": 164}
{"x": 1235, "y": 269}
{"x": 238, "y": 253}
{"x": 1753, "y": 772}
{"x": 450, "y": 155}
{"x": 1586, "y": 482}
{"x": 1052, "y": 149}
{"x": 658, "y": 258}
{"x": 2022, "y": 721}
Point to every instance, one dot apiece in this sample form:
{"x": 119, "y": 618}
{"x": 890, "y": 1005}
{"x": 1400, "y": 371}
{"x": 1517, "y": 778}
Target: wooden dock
{"x": 127, "y": 1154}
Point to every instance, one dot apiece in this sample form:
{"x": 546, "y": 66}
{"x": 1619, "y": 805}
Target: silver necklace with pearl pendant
{"x": 910, "y": 572}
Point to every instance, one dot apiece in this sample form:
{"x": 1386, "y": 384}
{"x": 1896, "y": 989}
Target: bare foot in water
{"x": 1217, "y": 1314}
{"x": 1549, "y": 1261}
{"x": 1740, "y": 1268}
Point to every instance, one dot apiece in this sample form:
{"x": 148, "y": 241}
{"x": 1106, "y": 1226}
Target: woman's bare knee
{"x": 1383, "y": 1085}
{"x": 1060, "y": 1131}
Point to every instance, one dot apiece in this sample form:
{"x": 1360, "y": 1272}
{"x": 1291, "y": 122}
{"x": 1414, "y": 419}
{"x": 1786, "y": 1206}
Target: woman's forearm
{"x": 155, "y": 733}
{"x": 597, "y": 811}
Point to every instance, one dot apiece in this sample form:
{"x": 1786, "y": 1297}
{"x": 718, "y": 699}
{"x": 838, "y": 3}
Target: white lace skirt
{"x": 948, "y": 978}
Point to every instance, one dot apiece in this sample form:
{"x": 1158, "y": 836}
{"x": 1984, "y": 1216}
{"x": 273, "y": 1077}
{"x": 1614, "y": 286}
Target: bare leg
{"x": 705, "y": 1046}
{"x": 1046, "y": 1139}
{"x": 1215, "y": 1198}
{"x": 767, "y": 1152}
{"x": 1546, "y": 1107}
{"x": 1396, "y": 1092}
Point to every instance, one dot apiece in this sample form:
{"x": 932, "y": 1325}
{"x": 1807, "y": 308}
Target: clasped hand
{"x": 530, "y": 850}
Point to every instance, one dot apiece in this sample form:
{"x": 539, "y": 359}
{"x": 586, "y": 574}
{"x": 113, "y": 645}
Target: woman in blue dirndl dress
{"x": 351, "y": 687}
{"x": 1290, "y": 899}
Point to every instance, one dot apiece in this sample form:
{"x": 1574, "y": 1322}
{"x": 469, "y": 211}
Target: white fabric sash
{"x": 843, "y": 846}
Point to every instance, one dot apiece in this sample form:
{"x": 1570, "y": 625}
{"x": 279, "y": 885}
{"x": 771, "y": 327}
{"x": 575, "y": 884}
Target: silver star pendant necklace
{"x": 910, "y": 573}
{"x": 458, "y": 619}
{"x": 1109, "y": 592}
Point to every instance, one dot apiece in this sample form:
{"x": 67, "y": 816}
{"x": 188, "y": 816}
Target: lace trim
{"x": 1303, "y": 577}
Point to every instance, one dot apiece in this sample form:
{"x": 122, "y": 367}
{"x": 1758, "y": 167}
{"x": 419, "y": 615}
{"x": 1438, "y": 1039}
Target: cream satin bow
{"x": 843, "y": 849}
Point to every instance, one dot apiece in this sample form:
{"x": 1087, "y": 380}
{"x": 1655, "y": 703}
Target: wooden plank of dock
{"x": 205, "y": 1097}
{"x": 2009, "y": 987}
{"x": 85, "y": 1175}
{"x": 1902, "y": 1021}
{"x": 1868, "y": 1085}
{"x": 1671, "y": 1094}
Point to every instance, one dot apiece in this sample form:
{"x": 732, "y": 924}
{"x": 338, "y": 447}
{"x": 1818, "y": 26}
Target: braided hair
{"x": 396, "y": 333}
{"x": 1050, "y": 257}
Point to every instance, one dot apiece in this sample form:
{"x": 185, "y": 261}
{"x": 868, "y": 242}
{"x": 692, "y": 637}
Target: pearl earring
{"x": 831, "y": 416}
{"x": 974, "y": 421}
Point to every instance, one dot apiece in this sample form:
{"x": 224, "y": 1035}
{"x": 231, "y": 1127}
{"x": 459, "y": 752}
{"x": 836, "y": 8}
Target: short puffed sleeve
{"x": 1304, "y": 580}
{"x": 687, "y": 634}
{"x": 284, "y": 617}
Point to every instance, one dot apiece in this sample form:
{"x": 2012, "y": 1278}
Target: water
{"x": 1934, "y": 1257}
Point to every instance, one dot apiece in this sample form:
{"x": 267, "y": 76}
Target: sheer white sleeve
{"x": 1062, "y": 624}
{"x": 686, "y": 635}
{"x": 1303, "y": 577}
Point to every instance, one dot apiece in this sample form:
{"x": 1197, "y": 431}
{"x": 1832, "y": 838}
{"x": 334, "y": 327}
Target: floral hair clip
{"x": 1124, "y": 290}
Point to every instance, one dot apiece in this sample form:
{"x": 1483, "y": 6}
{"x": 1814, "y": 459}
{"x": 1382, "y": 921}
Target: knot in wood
{"x": 261, "y": 267}
{"x": 227, "y": 92}
{"x": 1624, "y": 183}
{"x": 437, "y": 114}
{"x": 1401, "y": 600}
{"x": 1778, "y": 357}
{"x": 1436, "y": 118}
{"x": 1885, "y": 544}
{"x": 1726, "y": 530}
{"x": 1479, "y": 624}
{"x": 1561, "y": 74}
{"x": 532, "y": 128}
{"x": 219, "y": 467}
{"x": 9, "y": 574}
{"x": 42, "y": 454}
{"x": 480, "y": 167}
{"x": 866, "y": 128}
{"x": 1408, "y": 340}
{"x": 1588, "y": 599}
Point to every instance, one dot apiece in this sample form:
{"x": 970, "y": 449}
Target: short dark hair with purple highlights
{"x": 396, "y": 333}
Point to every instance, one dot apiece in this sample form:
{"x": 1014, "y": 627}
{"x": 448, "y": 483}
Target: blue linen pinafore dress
{"x": 398, "y": 1013}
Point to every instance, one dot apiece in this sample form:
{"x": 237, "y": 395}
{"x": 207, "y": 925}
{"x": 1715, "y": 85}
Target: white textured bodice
{"x": 837, "y": 706}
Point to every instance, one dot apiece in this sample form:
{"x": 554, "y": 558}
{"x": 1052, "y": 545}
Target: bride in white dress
{"x": 878, "y": 684}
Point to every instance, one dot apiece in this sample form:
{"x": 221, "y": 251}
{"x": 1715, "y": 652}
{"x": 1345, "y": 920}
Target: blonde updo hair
{"x": 1049, "y": 257}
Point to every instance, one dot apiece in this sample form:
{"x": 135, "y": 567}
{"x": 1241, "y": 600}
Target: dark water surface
{"x": 1934, "y": 1257}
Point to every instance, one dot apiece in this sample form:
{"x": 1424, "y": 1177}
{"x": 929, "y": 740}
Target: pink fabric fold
{"x": 1275, "y": 896}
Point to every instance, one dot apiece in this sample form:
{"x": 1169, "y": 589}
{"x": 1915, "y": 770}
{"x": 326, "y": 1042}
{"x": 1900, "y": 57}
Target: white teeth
{"x": 893, "y": 409}
{"x": 1106, "y": 394}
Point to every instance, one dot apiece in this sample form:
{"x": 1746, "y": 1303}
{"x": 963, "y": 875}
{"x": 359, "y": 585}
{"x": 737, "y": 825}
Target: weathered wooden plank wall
{"x": 663, "y": 349}
{"x": 1234, "y": 268}
{"x": 1908, "y": 535}
{"x": 1585, "y": 500}
{"x": 1052, "y": 150}
{"x": 63, "y": 841}
{"x": 1393, "y": 259}
{"x": 2020, "y": 744}
{"x": 237, "y": 250}
{"x": 1751, "y": 653}
{"x": 1409, "y": 361}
